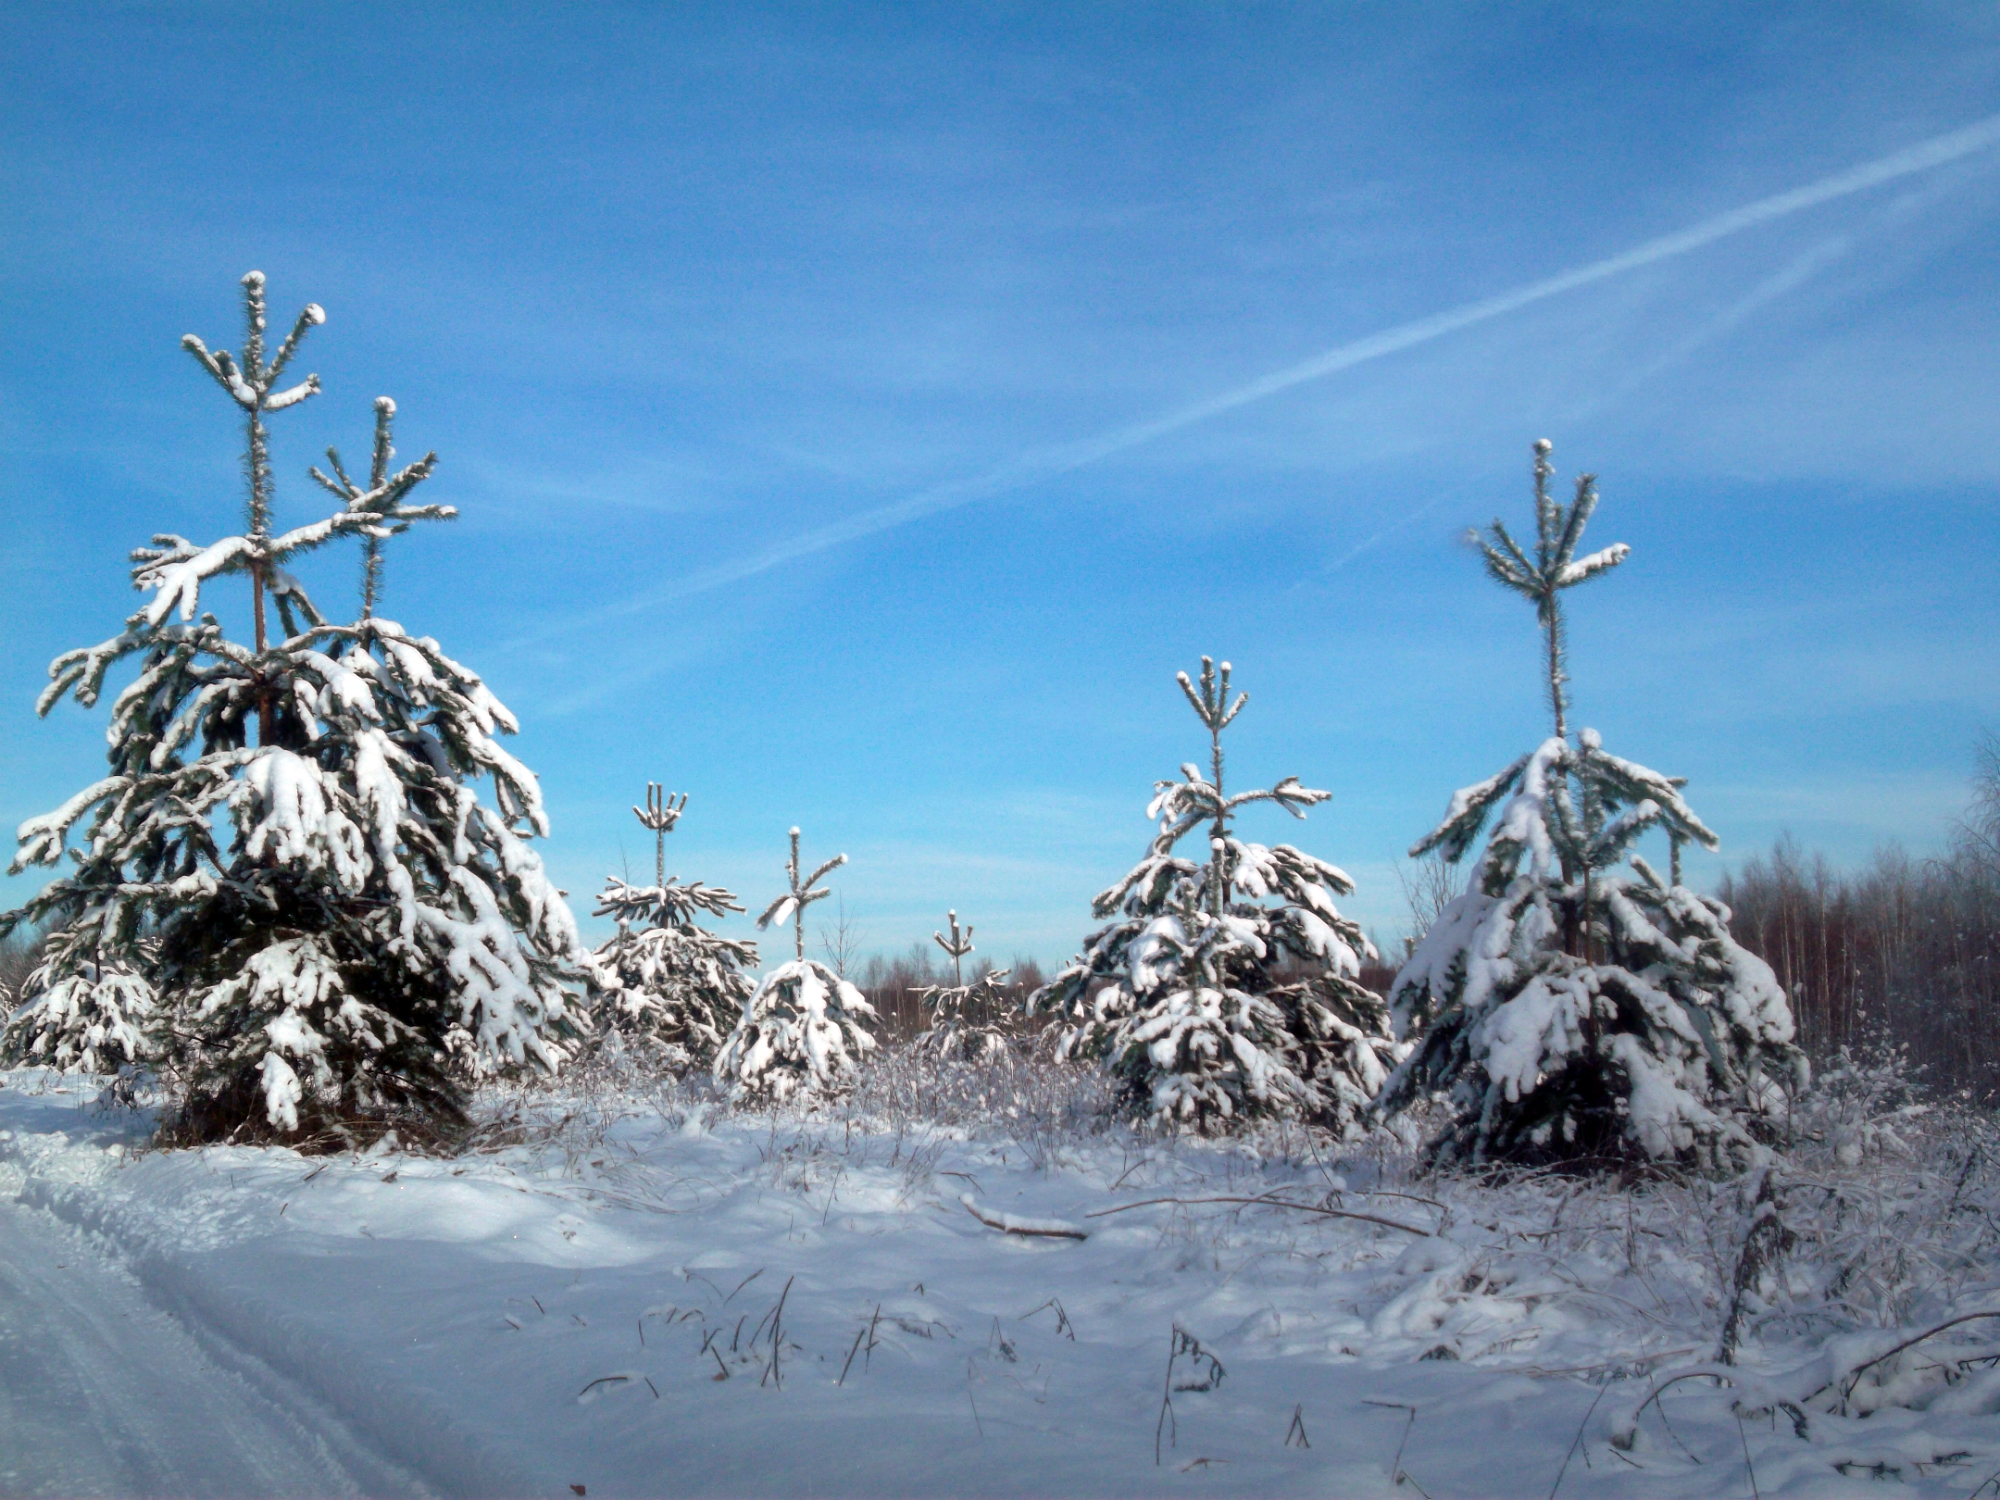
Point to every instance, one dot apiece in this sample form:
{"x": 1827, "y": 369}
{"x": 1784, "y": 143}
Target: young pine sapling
{"x": 290, "y": 895}
{"x": 1567, "y": 1011}
{"x": 1229, "y": 987}
{"x": 800, "y": 1033}
{"x": 672, "y": 987}
{"x": 962, "y": 1016}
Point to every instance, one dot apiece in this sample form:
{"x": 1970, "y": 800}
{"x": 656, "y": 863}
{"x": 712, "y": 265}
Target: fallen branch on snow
{"x": 1304, "y": 1208}
{"x": 1053, "y": 1229}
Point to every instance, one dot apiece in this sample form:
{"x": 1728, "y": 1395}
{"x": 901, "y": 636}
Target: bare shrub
{"x": 896, "y": 988}
{"x": 1007, "y": 1093}
{"x": 1429, "y": 886}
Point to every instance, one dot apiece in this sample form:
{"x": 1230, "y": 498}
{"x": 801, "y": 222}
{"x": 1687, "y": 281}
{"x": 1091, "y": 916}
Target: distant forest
{"x": 1905, "y": 953}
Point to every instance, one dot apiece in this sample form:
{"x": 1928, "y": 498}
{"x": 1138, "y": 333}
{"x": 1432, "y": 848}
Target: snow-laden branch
{"x": 1467, "y": 812}
{"x": 83, "y": 669}
{"x": 42, "y": 839}
{"x": 670, "y": 904}
{"x": 250, "y": 387}
{"x": 1633, "y": 783}
{"x": 1052, "y": 1229}
{"x": 1571, "y": 574}
{"x": 176, "y": 570}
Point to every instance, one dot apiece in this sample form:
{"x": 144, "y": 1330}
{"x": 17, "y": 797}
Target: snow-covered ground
{"x": 654, "y": 1296}
{"x": 102, "y": 1392}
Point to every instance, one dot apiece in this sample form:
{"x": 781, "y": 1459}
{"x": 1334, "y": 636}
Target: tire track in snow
{"x": 102, "y": 1393}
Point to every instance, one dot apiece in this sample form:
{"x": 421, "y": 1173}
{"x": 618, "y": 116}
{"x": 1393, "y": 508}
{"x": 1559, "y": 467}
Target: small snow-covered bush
{"x": 1847, "y": 1286}
{"x": 963, "y": 1018}
{"x": 79, "y": 1011}
{"x": 800, "y": 1035}
{"x": 1860, "y": 1108}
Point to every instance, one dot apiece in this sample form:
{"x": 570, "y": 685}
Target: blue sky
{"x": 815, "y": 385}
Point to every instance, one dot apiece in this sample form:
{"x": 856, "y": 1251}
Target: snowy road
{"x": 102, "y": 1393}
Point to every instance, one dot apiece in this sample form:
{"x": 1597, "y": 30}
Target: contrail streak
{"x": 1801, "y": 270}
{"x": 1052, "y": 462}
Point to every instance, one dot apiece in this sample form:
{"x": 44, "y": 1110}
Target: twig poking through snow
{"x": 774, "y": 1374}
{"x": 1577, "y": 1441}
{"x": 1744, "y": 1438}
{"x": 1063, "y": 1325}
{"x": 664, "y": 1313}
{"x": 859, "y": 1335}
{"x": 1854, "y": 1375}
{"x": 1183, "y": 1343}
{"x": 1397, "y": 1476}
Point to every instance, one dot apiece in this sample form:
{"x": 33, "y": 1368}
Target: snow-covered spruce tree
{"x": 800, "y": 1033}
{"x": 77, "y": 1009}
{"x": 1186, "y": 993}
{"x": 1569, "y": 1012}
{"x": 961, "y": 1014}
{"x": 289, "y": 890}
{"x": 668, "y": 983}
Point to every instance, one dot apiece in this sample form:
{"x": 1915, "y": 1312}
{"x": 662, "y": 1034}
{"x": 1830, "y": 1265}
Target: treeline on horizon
{"x": 1904, "y": 953}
